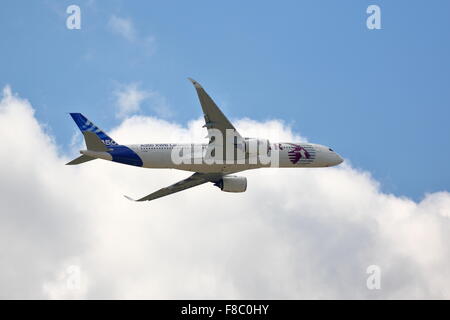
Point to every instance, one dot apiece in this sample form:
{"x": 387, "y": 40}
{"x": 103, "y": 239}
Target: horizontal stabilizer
{"x": 93, "y": 142}
{"x": 81, "y": 159}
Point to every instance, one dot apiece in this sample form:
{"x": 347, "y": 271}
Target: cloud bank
{"x": 296, "y": 233}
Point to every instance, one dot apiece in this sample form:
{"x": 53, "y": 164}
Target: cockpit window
{"x": 331, "y": 149}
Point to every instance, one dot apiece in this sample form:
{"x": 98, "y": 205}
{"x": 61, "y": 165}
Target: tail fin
{"x": 89, "y": 129}
{"x": 96, "y": 140}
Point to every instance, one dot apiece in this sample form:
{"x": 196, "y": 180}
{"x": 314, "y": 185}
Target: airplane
{"x": 217, "y": 161}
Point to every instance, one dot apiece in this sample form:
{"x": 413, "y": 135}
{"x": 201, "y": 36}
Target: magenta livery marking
{"x": 297, "y": 153}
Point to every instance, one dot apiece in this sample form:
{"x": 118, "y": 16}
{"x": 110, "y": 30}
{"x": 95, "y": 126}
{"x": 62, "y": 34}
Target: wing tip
{"x": 129, "y": 198}
{"x": 195, "y": 83}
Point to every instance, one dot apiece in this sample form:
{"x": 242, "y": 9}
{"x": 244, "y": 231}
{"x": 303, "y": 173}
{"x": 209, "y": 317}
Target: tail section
{"x": 101, "y": 146}
{"x": 97, "y": 141}
{"x": 87, "y": 126}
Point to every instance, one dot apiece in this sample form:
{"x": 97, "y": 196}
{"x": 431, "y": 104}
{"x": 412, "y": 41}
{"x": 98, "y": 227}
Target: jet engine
{"x": 232, "y": 184}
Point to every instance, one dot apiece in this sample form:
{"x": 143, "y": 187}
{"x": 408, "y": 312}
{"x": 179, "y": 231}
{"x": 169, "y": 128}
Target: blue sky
{"x": 381, "y": 98}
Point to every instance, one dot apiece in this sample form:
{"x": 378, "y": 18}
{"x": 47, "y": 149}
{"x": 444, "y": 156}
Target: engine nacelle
{"x": 254, "y": 147}
{"x": 232, "y": 184}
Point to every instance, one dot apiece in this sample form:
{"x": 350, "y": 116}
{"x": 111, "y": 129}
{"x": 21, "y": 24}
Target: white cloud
{"x": 130, "y": 98}
{"x": 293, "y": 234}
{"x": 125, "y": 28}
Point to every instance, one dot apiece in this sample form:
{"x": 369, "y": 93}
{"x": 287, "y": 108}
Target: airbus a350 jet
{"x": 217, "y": 161}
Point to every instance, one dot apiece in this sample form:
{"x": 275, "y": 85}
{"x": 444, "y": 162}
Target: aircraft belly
{"x": 157, "y": 159}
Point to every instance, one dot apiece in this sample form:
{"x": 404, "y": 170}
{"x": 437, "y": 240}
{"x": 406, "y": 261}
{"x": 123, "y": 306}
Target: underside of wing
{"x": 195, "y": 180}
{"x": 214, "y": 118}
{"x": 81, "y": 159}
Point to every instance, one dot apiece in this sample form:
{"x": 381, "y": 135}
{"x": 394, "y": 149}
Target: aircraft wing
{"x": 214, "y": 118}
{"x": 194, "y": 180}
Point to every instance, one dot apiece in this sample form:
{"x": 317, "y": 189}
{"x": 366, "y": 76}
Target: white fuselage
{"x": 282, "y": 155}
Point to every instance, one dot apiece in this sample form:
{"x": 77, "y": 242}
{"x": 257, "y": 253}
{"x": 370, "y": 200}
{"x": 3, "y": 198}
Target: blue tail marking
{"x": 86, "y": 125}
{"x": 119, "y": 153}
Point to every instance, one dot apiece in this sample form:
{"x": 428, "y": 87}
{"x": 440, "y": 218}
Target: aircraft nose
{"x": 339, "y": 159}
